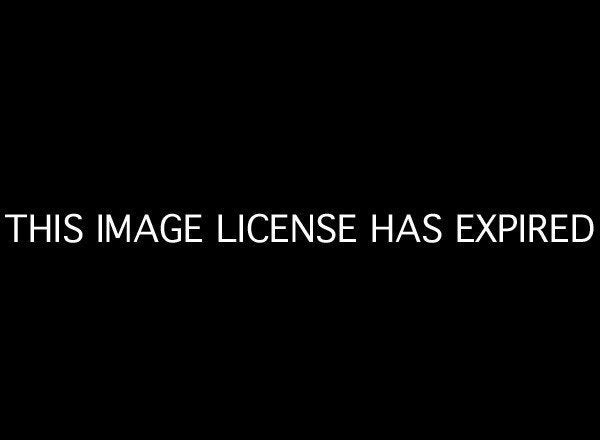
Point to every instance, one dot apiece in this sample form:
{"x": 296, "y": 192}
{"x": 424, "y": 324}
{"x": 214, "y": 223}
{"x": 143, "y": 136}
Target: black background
{"x": 386, "y": 112}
